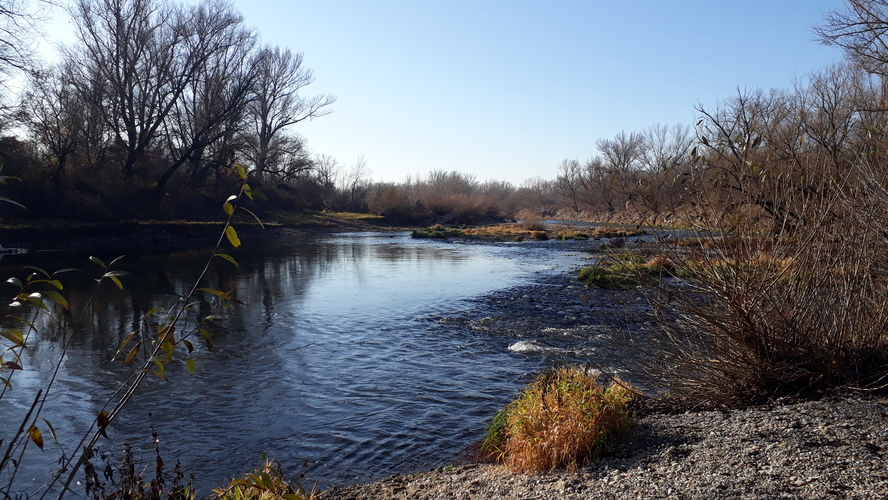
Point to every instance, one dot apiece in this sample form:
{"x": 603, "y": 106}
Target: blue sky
{"x": 505, "y": 90}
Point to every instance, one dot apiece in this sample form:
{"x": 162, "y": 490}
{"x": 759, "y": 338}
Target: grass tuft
{"x": 265, "y": 483}
{"x": 563, "y": 419}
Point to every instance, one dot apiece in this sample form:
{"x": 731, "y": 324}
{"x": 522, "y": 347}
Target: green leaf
{"x": 36, "y": 436}
{"x": 6, "y": 382}
{"x": 254, "y": 216}
{"x": 52, "y": 431}
{"x": 241, "y": 171}
{"x": 254, "y": 192}
{"x": 97, "y": 261}
{"x": 232, "y": 236}
{"x": 191, "y": 365}
{"x": 57, "y": 284}
{"x": 57, "y": 298}
{"x": 208, "y": 338}
{"x": 39, "y": 270}
{"x": 228, "y": 258}
{"x": 7, "y": 200}
{"x": 154, "y": 311}
{"x": 37, "y": 300}
{"x": 116, "y": 282}
{"x": 65, "y": 270}
{"x": 14, "y": 336}
{"x": 15, "y": 281}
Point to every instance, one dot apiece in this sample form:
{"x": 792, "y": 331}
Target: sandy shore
{"x": 830, "y": 448}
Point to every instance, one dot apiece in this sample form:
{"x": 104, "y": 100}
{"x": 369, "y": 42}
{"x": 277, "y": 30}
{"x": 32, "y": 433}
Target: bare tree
{"x": 829, "y": 109}
{"x": 277, "y": 105}
{"x": 355, "y": 180}
{"x": 598, "y": 181}
{"x": 149, "y": 54}
{"x": 19, "y": 22}
{"x": 666, "y": 147}
{"x": 622, "y": 153}
{"x": 213, "y": 103}
{"x": 861, "y": 30}
{"x": 326, "y": 170}
{"x": 53, "y": 113}
{"x": 568, "y": 182}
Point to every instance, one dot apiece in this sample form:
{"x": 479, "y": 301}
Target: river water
{"x": 341, "y": 362}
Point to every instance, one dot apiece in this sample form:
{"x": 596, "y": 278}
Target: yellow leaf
{"x": 228, "y": 258}
{"x": 132, "y": 354}
{"x": 191, "y": 365}
{"x": 36, "y": 436}
{"x": 241, "y": 171}
{"x": 102, "y": 421}
{"x": 232, "y": 236}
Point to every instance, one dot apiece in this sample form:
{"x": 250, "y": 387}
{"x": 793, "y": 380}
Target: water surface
{"x": 341, "y": 358}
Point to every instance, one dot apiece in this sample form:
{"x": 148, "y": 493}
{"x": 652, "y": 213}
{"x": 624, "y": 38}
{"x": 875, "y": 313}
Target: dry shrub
{"x": 563, "y": 419}
{"x": 531, "y": 221}
{"x": 539, "y": 235}
{"x": 798, "y": 314}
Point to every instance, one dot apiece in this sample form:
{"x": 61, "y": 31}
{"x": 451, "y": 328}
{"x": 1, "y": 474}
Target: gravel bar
{"x": 834, "y": 447}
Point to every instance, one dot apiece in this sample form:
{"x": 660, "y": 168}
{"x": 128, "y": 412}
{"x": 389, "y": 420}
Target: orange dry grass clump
{"x": 564, "y": 419}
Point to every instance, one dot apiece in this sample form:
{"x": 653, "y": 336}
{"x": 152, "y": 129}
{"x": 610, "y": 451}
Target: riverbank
{"x": 834, "y": 447}
{"x": 150, "y": 236}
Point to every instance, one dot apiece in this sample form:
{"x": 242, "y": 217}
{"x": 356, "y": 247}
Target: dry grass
{"x": 265, "y": 483}
{"x": 563, "y": 419}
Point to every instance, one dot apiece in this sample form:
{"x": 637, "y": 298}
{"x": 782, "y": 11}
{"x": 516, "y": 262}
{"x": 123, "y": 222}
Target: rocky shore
{"x": 834, "y": 447}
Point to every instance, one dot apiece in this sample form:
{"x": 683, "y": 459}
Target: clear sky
{"x": 507, "y": 89}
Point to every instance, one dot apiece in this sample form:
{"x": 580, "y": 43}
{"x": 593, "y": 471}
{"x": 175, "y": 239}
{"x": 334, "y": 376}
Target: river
{"x": 352, "y": 356}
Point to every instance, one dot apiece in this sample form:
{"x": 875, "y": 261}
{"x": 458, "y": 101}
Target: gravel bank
{"x": 835, "y": 447}
{"x": 831, "y": 448}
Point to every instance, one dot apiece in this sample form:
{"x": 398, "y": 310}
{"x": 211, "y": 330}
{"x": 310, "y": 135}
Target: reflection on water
{"x": 334, "y": 358}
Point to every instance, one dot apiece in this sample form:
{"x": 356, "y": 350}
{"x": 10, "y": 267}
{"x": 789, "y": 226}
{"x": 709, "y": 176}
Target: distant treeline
{"x": 150, "y": 108}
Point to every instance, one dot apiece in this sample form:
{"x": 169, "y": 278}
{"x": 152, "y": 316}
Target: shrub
{"x": 562, "y": 419}
{"x": 531, "y": 221}
{"x": 802, "y": 314}
{"x": 539, "y": 235}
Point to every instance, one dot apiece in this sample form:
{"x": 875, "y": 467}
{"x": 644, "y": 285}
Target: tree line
{"x": 157, "y": 100}
{"x": 149, "y": 110}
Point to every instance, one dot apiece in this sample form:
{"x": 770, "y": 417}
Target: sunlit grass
{"x": 626, "y": 270}
{"x": 563, "y": 419}
{"x": 265, "y": 483}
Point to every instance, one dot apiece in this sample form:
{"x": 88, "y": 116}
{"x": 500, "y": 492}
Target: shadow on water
{"x": 345, "y": 353}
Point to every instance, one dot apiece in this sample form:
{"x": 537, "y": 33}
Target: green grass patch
{"x": 625, "y": 271}
{"x": 438, "y": 231}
